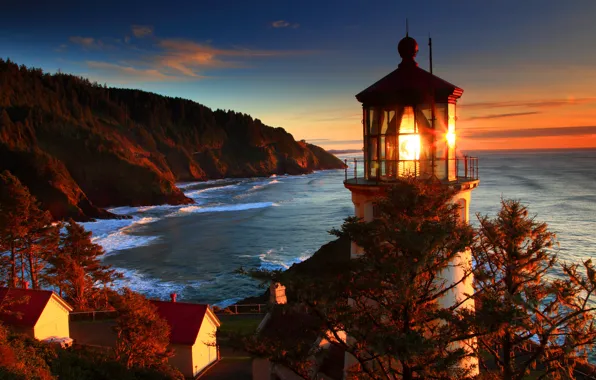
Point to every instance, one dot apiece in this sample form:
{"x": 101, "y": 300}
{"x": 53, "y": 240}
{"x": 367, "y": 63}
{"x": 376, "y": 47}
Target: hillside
{"x": 81, "y": 147}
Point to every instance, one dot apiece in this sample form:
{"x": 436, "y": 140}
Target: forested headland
{"x": 81, "y": 147}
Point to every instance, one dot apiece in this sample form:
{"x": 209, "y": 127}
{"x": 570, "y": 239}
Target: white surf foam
{"x": 276, "y": 259}
{"x": 197, "y": 193}
{"x": 129, "y": 210}
{"x": 119, "y": 240}
{"x": 223, "y": 208}
{"x": 154, "y": 287}
{"x": 115, "y": 235}
{"x": 263, "y": 184}
{"x": 146, "y": 220}
{"x": 184, "y": 185}
{"x": 104, "y": 227}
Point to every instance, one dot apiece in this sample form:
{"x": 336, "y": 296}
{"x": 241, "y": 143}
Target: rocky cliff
{"x": 81, "y": 147}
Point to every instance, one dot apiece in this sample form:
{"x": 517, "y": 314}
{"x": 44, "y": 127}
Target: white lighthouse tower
{"x": 409, "y": 119}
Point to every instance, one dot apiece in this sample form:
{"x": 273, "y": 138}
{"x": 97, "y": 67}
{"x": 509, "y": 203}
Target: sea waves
{"x": 115, "y": 235}
{"x": 193, "y": 250}
{"x": 215, "y": 196}
{"x": 278, "y": 259}
{"x": 156, "y": 287}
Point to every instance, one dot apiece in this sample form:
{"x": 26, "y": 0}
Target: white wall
{"x": 52, "y": 322}
{"x": 182, "y": 359}
{"x": 204, "y": 351}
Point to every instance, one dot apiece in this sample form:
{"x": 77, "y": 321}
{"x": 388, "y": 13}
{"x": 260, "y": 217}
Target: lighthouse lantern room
{"x": 408, "y": 120}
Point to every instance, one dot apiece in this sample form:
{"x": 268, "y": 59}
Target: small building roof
{"x": 409, "y": 84}
{"x": 23, "y": 307}
{"x": 185, "y": 319}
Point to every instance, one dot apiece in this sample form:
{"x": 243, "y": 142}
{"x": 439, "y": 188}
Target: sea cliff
{"x": 81, "y": 147}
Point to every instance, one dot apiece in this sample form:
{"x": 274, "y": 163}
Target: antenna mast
{"x": 407, "y": 28}
{"x": 430, "y": 48}
{"x": 432, "y": 108}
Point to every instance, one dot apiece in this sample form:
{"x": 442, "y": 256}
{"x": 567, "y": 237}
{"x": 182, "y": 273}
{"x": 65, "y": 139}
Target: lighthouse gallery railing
{"x": 465, "y": 169}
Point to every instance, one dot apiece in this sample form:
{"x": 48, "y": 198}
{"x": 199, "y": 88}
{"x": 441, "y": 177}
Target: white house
{"x": 192, "y": 335}
{"x": 40, "y": 314}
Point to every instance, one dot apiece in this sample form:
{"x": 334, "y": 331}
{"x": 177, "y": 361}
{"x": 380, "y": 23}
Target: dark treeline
{"x": 80, "y": 146}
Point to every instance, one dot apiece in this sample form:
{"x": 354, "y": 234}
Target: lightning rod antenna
{"x": 430, "y": 48}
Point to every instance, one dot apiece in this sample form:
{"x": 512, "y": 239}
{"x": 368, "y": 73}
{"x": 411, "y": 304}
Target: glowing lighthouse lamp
{"x": 408, "y": 122}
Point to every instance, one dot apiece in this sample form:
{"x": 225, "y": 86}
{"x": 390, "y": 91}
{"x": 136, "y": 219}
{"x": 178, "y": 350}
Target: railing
{"x": 93, "y": 316}
{"x": 461, "y": 169}
{"x": 250, "y": 308}
{"x": 102, "y": 315}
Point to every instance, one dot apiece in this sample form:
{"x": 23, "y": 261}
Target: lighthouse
{"x": 408, "y": 127}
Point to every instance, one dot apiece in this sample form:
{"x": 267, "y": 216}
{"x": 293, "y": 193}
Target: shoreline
{"x": 138, "y": 246}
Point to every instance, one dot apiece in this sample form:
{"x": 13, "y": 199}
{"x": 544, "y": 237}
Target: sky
{"x": 528, "y": 68}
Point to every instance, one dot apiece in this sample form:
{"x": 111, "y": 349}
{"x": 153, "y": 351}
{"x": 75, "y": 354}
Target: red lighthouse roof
{"x": 409, "y": 84}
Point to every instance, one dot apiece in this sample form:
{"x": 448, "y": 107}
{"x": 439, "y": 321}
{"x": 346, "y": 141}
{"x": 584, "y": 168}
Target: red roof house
{"x": 40, "y": 314}
{"x": 192, "y": 335}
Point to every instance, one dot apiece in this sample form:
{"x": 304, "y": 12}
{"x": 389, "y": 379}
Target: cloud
{"x": 501, "y": 115}
{"x": 280, "y": 24}
{"x": 130, "y": 73}
{"x": 532, "y": 103}
{"x": 87, "y": 42}
{"x": 284, "y": 24}
{"x": 188, "y": 57}
{"x": 168, "y": 59}
{"x": 532, "y": 132}
{"x": 141, "y": 31}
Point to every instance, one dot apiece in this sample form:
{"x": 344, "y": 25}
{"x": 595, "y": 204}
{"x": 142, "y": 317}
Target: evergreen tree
{"x": 40, "y": 243}
{"x": 142, "y": 336}
{"x": 15, "y": 205}
{"x": 76, "y": 269}
{"x": 387, "y": 300}
{"x": 528, "y": 321}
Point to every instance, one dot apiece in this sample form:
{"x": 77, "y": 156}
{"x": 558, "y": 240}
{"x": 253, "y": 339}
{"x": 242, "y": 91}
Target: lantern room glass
{"x": 402, "y": 141}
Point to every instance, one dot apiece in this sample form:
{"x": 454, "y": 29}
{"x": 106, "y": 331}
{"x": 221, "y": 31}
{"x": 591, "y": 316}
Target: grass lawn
{"x": 239, "y": 323}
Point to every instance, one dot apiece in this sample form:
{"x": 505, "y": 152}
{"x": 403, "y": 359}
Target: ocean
{"x": 272, "y": 223}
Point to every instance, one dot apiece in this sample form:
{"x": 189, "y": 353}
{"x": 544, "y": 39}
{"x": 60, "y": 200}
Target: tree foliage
{"x": 528, "y": 320}
{"x": 76, "y": 269}
{"x": 33, "y": 249}
{"x": 15, "y": 204}
{"x": 388, "y": 299}
{"x": 24, "y": 358}
{"x": 142, "y": 336}
{"x": 27, "y": 235}
{"x": 20, "y": 361}
{"x": 39, "y": 245}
